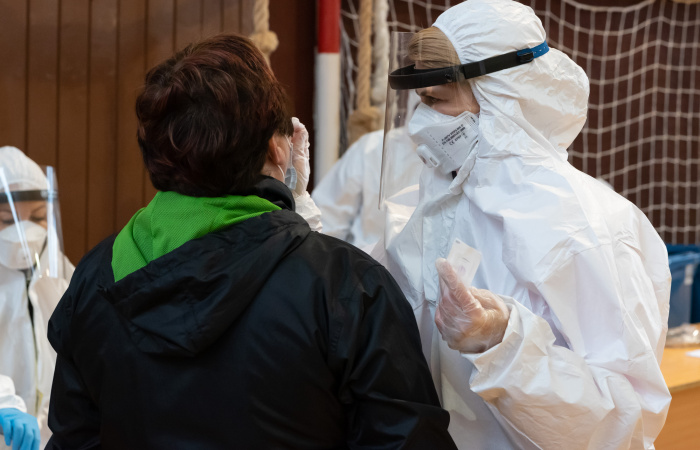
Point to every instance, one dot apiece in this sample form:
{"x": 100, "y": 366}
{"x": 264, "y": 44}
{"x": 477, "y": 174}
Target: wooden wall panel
{"x": 160, "y": 45}
{"x": 102, "y": 125}
{"x": 188, "y": 23}
{"x": 231, "y": 15}
{"x": 72, "y": 118}
{"x": 42, "y": 88}
{"x": 294, "y": 21}
{"x": 13, "y": 76}
{"x": 160, "y": 31}
{"x": 246, "y": 27}
{"x": 70, "y": 76}
{"x": 131, "y": 65}
{"x": 212, "y": 17}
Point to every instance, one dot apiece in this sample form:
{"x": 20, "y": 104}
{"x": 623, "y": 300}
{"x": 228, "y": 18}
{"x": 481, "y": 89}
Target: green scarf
{"x": 172, "y": 219}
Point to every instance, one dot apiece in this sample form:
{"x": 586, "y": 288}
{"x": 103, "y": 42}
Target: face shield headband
{"x": 23, "y": 196}
{"x": 411, "y": 78}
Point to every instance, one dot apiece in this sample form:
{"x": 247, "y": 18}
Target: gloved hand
{"x": 300, "y": 156}
{"x": 470, "y": 320}
{"x": 20, "y": 429}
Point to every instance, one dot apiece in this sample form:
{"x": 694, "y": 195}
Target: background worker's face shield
{"x": 31, "y": 239}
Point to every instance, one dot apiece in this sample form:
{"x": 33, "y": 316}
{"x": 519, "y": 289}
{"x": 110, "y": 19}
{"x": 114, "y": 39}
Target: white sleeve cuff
{"x": 8, "y": 399}
{"x": 307, "y": 209}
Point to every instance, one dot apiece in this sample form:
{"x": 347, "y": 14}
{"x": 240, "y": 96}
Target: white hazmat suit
{"x": 348, "y": 195}
{"x": 25, "y": 353}
{"x": 583, "y": 272}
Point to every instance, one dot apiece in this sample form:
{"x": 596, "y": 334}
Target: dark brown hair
{"x": 205, "y": 117}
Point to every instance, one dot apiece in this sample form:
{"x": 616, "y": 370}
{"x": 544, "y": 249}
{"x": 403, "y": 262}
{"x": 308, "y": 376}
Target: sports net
{"x": 402, "y": 15}
{"x": 643, "y": 130}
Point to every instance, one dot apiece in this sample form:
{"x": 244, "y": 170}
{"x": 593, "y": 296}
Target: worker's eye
{"x": 428, "y": 100}
{"x": 38, "y": 219}
{"x": 6, "y": 218}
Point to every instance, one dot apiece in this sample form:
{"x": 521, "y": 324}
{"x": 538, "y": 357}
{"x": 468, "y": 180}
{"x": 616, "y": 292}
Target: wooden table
{"x": 682, "y": 375}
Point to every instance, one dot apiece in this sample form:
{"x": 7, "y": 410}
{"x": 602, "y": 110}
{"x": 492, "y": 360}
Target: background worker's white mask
{"x": 443, "y": 142}
{"x": 21, "y": 244}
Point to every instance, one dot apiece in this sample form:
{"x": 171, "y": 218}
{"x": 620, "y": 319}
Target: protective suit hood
{"x": 538, "y": 107}
{"x": 21, "y": 172}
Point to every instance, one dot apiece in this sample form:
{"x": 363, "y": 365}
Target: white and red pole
{"x": 327, "y": 95}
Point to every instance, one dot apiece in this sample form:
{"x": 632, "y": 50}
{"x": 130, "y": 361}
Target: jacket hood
{"x": 532, "y": 110}
{"x": 180, "y": 303}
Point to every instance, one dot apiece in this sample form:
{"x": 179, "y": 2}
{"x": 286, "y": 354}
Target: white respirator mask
{"x": 443, "y": 142}
{"x": 18, "y": 249}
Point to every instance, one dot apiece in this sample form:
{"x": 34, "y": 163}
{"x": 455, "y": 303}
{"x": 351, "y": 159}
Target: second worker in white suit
{"x": 34, "y": 273}
{"x": 560, "y": 345}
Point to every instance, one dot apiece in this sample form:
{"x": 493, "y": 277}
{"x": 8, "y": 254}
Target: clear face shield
{"x": 400, "y": 164}
{"x": 427, "y": 123}
{"x": 432, "y": 111}
{"x": 31, "y": 239}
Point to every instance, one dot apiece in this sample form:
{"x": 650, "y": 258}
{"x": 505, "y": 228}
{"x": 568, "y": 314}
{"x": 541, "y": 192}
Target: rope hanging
{"x": 262, "y": 37}
{"x": 381, "y": 52}
{"x": 365, "y": 118}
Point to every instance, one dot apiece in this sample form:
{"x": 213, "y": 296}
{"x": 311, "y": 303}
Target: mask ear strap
{"x": 281, "y": 171}
{"x": 273, "y": 160}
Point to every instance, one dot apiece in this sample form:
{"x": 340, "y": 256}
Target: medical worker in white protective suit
{"x": 34, "y": 273}
{"x": 559, "y": 343}
{"x": 348, "y": 195}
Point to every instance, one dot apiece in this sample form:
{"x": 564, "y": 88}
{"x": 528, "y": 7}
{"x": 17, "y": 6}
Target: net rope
{"x": 643, "y": 130}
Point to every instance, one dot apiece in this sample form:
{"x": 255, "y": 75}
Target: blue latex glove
{"x": 20, "y": 429}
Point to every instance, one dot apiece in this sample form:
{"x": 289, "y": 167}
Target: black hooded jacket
{"x": 263, "y": 335}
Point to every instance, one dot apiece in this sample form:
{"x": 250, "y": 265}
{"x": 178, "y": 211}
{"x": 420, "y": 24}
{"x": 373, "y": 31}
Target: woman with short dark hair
{"x": 216, "y": 318}
{"x": 206, "y": 116}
